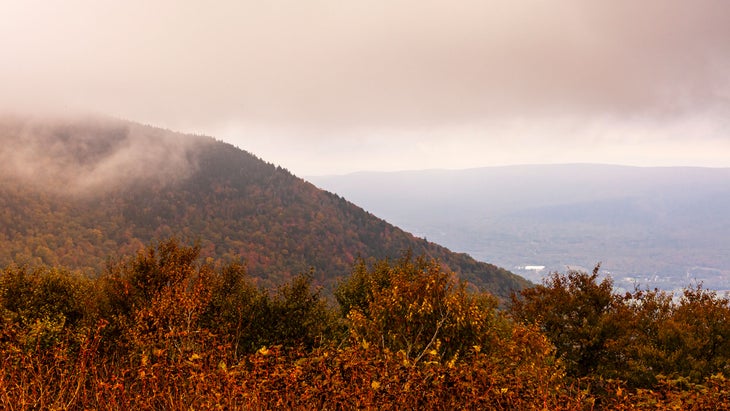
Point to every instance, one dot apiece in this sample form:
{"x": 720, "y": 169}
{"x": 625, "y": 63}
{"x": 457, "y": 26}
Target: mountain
{"x": 659, "y": 226}
{"x": 75, "y": 193}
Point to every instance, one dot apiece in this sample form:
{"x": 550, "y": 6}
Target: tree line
{"x": 166, "y": 329}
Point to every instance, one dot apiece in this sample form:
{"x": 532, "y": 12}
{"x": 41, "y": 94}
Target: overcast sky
{"x": 334, "y": 86}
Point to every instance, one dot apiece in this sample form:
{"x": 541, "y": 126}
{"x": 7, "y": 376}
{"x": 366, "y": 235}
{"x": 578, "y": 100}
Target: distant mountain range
{"x": 662, "y": 227}
{"x": 75, "y": 193}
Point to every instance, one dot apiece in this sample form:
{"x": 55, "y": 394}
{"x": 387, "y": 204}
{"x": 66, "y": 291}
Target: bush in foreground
{"x": 164, "y": 330}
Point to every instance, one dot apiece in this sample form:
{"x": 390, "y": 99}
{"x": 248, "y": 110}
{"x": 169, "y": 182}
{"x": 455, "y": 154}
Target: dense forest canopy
{"x": 78, "y": 192}
{"x": 166, "y": 329}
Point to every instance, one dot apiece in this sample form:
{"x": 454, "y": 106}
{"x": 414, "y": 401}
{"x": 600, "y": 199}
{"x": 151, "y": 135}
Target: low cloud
{"x": 90, "y": 155}
{"x": 326, "y": 71}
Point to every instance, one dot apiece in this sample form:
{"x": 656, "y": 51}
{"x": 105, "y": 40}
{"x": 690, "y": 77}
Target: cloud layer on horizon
{"x": 454, "y": 78}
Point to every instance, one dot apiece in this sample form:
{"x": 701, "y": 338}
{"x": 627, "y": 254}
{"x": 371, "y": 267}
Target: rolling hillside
{"x": 661, "y": 227}
{"x": 76, "y": 193}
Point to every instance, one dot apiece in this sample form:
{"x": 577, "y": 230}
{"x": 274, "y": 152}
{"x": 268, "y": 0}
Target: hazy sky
{"x": 322, "y": 86}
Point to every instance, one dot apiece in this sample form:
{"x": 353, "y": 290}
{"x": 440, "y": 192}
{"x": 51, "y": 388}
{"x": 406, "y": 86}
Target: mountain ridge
{"x": 117, "y": 185}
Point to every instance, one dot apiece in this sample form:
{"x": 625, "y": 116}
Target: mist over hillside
{"x": 662, "y": 227}
{"x": 92, "y": 154}
{"x": 76, "y": 192}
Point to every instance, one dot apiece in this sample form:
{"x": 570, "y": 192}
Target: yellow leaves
{"x": 222, "y": 366}
{"x": 375, "y": 385}
{"x": 194, "y": 357}
{"x": 426, "y": 307}
{"x": 477, "y": 348}
{"x": 263, "y": 351}
{"x": 144, "y": 360}
{"x": 452, "y": 362}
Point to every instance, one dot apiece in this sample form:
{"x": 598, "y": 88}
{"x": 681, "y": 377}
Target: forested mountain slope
{"x": 75, "y": 193}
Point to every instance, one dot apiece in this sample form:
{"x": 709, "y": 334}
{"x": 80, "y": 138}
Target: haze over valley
{"x": 654, "y": 227}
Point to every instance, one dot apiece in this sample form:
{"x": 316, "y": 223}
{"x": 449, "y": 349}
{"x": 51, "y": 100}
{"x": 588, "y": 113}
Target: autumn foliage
{"x": 166, "y": 330}
{"x": 237, "y": 205}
